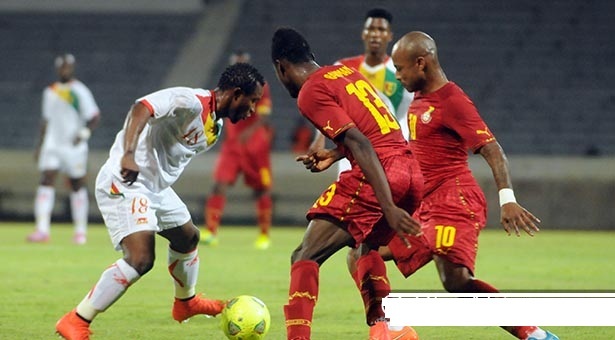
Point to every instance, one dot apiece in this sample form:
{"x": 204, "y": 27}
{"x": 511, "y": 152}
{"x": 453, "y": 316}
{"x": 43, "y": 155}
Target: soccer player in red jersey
{"x": 444, "y": 124}
{"x": 246, "y": 150}
{"x": 368, "y": 204}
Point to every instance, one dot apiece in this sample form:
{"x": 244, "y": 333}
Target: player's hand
{"x": 130, "y": 169}
{"x": 400, "y": 221}
{"x": 318, "y": 161}
{"x": 514, "y": 218}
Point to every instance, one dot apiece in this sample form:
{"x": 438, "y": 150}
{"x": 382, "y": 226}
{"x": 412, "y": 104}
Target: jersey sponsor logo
{"x": 339, "y": 73}
{"x": 426, "y": 116}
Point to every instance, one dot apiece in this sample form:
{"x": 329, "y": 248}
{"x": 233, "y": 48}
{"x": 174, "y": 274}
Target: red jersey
{"x": 444, "y": 125}
{"x": 263, "y": 108}
{"x": 336, "y": 98}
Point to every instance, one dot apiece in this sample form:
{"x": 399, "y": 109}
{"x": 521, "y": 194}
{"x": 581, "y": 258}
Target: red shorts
{"x": 351, "y": 202}
{"x": 452, "y": 217}
{"x": 252, "y": 159}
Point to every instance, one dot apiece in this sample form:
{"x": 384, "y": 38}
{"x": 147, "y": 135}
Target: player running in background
{"x": 164, "y": 130}
{"x": 366, "y": 205}
{"x": 246, "y": 149}
{"x": 69, "y": 114}
{"x": 376, "y": 65}
{"x": 444, "y": 124}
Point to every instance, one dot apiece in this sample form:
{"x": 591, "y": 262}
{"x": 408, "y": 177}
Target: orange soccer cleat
{"x": 406, "y": 333}
{"x": 379, "y": 331}
{"x": 72, "y": 327}
{"x": 185, "y": 309}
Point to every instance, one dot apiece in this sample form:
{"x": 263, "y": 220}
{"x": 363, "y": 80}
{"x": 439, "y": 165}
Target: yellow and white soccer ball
{"x": 245, "y": 318}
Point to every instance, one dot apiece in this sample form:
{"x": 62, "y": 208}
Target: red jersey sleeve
{"x": 319, "y": 105}
{"x": 464, "y": 119}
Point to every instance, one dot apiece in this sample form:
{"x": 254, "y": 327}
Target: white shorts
{"x": 71, "y": 160}
{"x": 130, "y": 209}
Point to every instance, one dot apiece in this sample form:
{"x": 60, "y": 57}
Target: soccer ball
{"x": 245, "y": 318}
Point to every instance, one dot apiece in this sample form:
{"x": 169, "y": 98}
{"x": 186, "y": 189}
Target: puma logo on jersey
{"x": 328, "y": 126}
{"x": 483, "y": 132}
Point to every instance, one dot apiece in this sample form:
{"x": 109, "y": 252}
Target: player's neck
{"x": 375, "y": 59}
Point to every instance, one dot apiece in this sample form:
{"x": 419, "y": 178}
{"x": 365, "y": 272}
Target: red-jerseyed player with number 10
{"x": 444, "y": 124}
{"x": 368, "y": 204}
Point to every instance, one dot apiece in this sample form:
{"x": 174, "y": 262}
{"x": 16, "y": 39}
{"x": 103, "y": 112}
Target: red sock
{"x": 478, "y": 286}
{"x": 302, "y": 296}
{"x": 213, "y": 212}
{"x": 374, "y": 285}
{"x": 263, "y": 213}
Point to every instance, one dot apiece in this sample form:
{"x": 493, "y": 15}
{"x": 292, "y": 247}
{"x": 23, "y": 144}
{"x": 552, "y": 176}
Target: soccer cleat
{"x": 379, "y": 331}
{"x": 262, "y": 242}
{"x": 406, "y": 333}
{"x": 79, "y": 238}
{"x": 38, "y": 237}
{"x": 72, "y": 327}
{"x": 550, "y": 336}
{"x": 185, "y": 309}
{"x": 208, "y": 238}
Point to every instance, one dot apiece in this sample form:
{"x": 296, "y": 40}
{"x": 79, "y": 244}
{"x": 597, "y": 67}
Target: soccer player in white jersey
{"x": 69, "y": 114}
{"x": 162, "y": 133}
{"x": 377, "y": 66}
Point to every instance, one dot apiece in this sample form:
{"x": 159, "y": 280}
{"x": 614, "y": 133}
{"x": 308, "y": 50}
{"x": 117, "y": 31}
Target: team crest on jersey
{"x": 426, "y": 116}
{"x": 389, "y": 88}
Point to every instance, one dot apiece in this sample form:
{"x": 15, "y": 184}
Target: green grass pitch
{"x": 40, "y": 282}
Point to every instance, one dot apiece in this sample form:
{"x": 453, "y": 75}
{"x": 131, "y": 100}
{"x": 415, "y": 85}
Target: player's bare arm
{"x": 513, "y": 216}
{"x": 85, "y": 133}
{"x": 363, "y": 152}
{"x": 318, "y": 143}
{"x": 137, "y": 118}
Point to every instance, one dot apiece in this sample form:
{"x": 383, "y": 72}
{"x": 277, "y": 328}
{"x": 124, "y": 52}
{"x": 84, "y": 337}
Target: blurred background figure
{"x": 301, "y": 137}
{"x": 69, "y": 114}
{"x": 246, "y": 150}
{"x": 377, "y": 66}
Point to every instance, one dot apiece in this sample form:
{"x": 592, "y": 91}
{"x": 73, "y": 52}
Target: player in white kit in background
{"x": 69, "y": 114}
{"x": 162, "y": 133}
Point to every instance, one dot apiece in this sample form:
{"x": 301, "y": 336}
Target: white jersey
{"x": 66, "y": 107}
{"x": 183, "y": 123}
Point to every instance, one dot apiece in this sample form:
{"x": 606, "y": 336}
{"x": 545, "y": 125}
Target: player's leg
{"x": 131, "y": 222}
{"x": 214, "y": 208}
{"x": 183, "y": 265}
{"x": 321, "y": 240}
{"x": 226, "y": 171}
{"x": 183, "y": 258}
{"x": 43, "y": 205}
{"x": 79, "y": 204}
{"x": 256, "y": 169}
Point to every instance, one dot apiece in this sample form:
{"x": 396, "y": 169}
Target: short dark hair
{"x": 379, "y": 13}
{"x": 242, "y": 75}
{"x": 289, "y": 44}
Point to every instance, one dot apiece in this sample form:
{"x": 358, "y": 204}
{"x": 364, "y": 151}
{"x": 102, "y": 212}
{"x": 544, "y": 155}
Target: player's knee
{"x": 142, "y": 263}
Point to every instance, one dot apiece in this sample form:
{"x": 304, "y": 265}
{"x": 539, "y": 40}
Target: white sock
{"x": 111, "y": 286}
{"x": 184, "y": 268}
{"x": 43, "y": 205}
{"x": 538, "y": 334}
{"x": 79, "y": 206}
